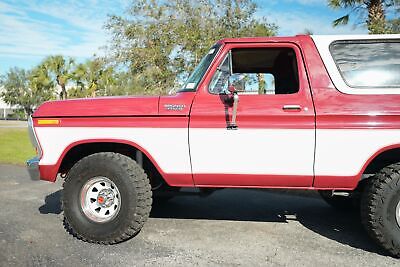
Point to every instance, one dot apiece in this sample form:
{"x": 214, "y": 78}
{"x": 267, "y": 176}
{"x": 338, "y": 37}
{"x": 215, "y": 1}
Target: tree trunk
{"x": 28, "y": 111}
{"x": 376, "y": 21}
{"x": 261, "y": 84}
{"x": 63, "y": 93}
{"x": 61, "y": 83}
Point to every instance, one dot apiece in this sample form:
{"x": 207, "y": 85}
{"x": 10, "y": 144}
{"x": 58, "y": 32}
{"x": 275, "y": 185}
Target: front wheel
{"x": 106, "y": 198}
{"x": 380, "y": 208}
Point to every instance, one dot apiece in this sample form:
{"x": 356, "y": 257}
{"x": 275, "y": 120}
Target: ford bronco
{"x": 302, "y": 112}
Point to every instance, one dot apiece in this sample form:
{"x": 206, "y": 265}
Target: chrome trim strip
{"x": 33, "y": 137}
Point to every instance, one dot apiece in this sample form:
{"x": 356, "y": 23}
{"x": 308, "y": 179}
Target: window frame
{"x": 361, "y": 42}
{"x": 322, "y": 43}
{"x": 267, "y": 46}
{"x": 218, "y": 47}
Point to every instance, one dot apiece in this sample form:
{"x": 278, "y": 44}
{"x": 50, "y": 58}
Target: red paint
{"x": 246, "y": 180}
{"x": 181, "y": 103}
{"x": 336, "y": 182}
{"x": 48, "y": 172}
{"x": 336, "y": 110}
{"x": 121, "y": 122}
{"x": 210, "y": 119}
{"x": 100, "y": 200}
{"x": 99, "y": 107}
{"x": 254, "y": 111}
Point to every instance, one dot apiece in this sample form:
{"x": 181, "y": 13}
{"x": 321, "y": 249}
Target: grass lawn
{"x": 15, "y": 146}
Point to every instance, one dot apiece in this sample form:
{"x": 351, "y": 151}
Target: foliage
{"x": 394, "y": 26}
{"x": 160, "y": 42}
{"x": 372, "y": 13}
{"x": 26, "y": 89}
{"x": 92, "y": 78}
{"x": 60, "y": 70}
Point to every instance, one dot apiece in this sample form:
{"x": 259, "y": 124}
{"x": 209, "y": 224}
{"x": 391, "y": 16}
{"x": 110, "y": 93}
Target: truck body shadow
{"x": 259, "y": 206}
{"x": 52, "y": 203}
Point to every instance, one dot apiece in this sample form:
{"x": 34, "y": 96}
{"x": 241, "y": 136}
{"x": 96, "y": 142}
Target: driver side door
{"x": 273, "y": 144}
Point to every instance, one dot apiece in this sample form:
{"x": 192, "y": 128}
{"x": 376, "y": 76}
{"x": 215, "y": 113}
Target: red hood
{"x": 102, "y": 106}
{"x": 117, "y": 106}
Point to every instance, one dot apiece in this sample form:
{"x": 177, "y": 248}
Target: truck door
{"x": 273, "y": 143}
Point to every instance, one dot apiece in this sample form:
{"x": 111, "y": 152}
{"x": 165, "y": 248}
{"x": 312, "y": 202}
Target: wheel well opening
{"x": 384, "y": 159}
{"x": 80, "y": 151}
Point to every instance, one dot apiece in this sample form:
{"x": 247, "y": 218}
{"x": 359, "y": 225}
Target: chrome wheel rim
{"x": 398, "y": 214}
{"x": 100, "y": 199}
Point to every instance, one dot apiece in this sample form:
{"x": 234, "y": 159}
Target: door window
{"x": 257, "y": 71}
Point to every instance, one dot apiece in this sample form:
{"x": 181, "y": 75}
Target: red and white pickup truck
{"x": 303, "y": 112}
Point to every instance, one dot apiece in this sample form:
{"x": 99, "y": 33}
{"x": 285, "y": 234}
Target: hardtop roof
{"x": 314, "y": 37}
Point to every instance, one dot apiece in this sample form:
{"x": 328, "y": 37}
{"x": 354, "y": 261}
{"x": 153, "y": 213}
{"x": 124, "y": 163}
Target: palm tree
{"x": 93, "y": 78}
{"x": 61, "y": 70}
{"x": 376, "y": 18}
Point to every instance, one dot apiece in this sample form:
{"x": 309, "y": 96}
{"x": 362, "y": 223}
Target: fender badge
{"x": 175, "y": 107}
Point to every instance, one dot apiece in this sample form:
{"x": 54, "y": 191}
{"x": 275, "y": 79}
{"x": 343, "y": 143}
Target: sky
{"x": 33, "y": 29}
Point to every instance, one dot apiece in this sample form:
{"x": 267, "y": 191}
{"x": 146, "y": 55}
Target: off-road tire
{"x": 378, "y": 208}
{"x": 339, "y": 202}
{"x": 134, "y": 188}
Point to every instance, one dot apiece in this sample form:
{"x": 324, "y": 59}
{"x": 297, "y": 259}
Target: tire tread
{"x": 143, "y": 193}
{"x": 373, "y": 197}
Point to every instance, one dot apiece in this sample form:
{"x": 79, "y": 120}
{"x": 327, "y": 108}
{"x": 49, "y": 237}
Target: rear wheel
{"x": 380, "y": 208}
{"x": 106, "y": 198}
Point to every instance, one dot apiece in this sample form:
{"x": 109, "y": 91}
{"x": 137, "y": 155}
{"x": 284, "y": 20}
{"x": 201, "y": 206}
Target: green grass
{"x": 15, "y": 146}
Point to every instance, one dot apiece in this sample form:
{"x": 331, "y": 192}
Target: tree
{"x": 394, "y": 26}
{"x": 160, "y": 42}
{"x": 93, "y": 78}
{"x": 26, "y": 89}
{"x": 372, "y": 13}
{"x": 60, "y": 70}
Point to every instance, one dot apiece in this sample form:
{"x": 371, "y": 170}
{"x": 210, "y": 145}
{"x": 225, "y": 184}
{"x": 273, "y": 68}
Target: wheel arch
{"x": 382, "y": 158}
{"x": 82, "y": 148}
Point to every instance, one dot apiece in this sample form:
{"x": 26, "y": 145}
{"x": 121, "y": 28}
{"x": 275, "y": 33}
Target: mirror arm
{"x": 233, "y": 125}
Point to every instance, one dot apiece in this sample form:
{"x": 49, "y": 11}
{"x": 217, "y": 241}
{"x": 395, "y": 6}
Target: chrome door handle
{"x": 291, "y": 108}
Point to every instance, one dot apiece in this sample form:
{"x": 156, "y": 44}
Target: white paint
{"x": 252, "y": 151}
{"x": 168, "y": 146}
{"x": 243, "y": 151}
{"x": 344, "y": 152}
{"x": 322, "y": 43}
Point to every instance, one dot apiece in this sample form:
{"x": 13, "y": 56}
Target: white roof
{"x": 331, "y": 38}
{"x": 322, "y": 42}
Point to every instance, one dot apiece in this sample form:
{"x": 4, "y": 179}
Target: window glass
{"x": 194, "y": 79}
{"x": 219, "y": 82}
{"x": 253, "y": 83}
{"x": 368, "y": 64}
{"x": 257, "y": 71}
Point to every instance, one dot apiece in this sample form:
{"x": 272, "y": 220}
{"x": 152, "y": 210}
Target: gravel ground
{"x": 230, "y": 227}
